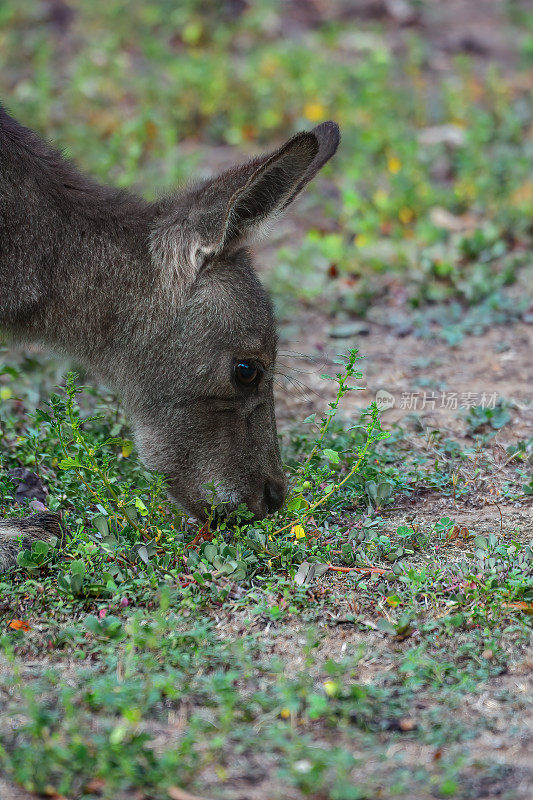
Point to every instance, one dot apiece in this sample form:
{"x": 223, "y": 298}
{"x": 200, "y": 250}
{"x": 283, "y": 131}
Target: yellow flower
{"x": 5, "y": 393}
{"x": 406, "y": 215}
{"x": 314, "y": 111}
{"x": 394, "y": 164}
{"x": 361, "y": 240}
{"x": 331, "y": 688}
{"x": 127, "y": 447}
{"x": 284, "y": 713}
{"x": 298, "y": 531}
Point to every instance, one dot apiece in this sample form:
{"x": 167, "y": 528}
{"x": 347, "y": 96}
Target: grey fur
{"x": 159, "y": 300}
{"x": 14, "y": 532}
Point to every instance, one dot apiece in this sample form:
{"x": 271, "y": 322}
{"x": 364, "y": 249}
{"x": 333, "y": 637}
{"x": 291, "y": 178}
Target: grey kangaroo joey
{"x": 161, "y": 302}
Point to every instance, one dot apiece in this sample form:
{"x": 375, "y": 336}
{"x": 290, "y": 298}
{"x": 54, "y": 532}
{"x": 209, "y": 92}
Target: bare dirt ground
{"x": 400, "y": 365}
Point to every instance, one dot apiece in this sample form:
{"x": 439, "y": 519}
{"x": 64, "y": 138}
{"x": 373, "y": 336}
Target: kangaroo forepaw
{"x": 17, "y": 532}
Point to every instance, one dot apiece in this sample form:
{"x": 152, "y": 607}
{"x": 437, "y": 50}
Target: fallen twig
{"x": 363, "y": 570}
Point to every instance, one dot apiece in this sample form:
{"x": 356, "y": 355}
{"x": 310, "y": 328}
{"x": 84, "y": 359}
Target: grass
{"x": 133, "y": 625}
{"x": 325, "y": 652}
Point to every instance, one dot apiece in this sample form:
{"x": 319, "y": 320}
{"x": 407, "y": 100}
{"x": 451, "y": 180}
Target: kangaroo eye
{"x": 246, "y": 373}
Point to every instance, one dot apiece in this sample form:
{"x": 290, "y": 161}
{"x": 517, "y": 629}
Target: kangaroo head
{"x": 207, "y": 417}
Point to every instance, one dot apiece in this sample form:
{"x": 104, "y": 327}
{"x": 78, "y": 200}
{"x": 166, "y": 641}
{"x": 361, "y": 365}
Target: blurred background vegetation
{"x": 431, "y": 195}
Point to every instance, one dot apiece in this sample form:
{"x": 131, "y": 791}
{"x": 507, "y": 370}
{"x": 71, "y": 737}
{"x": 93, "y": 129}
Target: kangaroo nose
{"x": 274, "y": 495}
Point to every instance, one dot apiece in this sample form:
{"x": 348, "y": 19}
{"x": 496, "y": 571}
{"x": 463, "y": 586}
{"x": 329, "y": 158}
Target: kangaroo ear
{"x": 230, "y": 209}
{"x": 274, "y": 184}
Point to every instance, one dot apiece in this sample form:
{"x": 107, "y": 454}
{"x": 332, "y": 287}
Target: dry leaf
{"x": 49, "y": 791}
{"x": 454, "y": 533}
{"x": 95, "y": 785}
{"x": 527, "y": 608}
{"x": 451, "y": 135}
{"x": 19, "y": 625}
{"x": 175, "y": 793}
